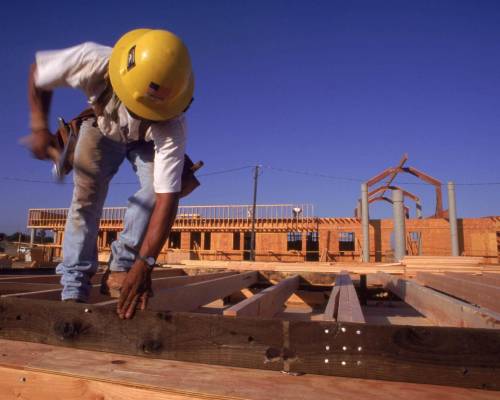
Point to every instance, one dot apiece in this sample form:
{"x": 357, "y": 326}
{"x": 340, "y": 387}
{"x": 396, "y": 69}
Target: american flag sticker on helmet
{"x": 157, "y": 92}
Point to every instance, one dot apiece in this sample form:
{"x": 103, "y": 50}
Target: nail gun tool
{"x": 60, "y": 163}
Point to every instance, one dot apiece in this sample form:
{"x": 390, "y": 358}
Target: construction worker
{"x": 139, "y": 91}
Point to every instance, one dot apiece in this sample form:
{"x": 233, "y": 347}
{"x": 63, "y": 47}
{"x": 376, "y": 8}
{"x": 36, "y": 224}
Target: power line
{"x": 351, "y": 179}
{"x": 28, "y": 180}
{"x": 269, "y": 167}
{"x": 291, "y": 171}
{"x": 225, "y": 171}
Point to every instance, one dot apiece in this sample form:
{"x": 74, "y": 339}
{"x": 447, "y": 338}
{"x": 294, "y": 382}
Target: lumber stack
{"x": 414, "y": 264}
{"x": 336, "y": 267}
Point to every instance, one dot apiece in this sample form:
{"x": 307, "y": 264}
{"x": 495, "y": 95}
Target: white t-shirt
{"x": 83, "y": 67}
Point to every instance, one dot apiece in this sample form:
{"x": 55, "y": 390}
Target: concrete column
{"x": 358, "y": 209}
{"x": 452, "y": 215}
{"x": 32, "y": 236}
{"x": 399, "y": 225}
{"x": 365, "y": 222}
{"x": 419, "y": 210}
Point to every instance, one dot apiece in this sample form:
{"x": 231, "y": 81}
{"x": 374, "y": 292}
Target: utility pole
{"x": 254, "y": 212}
{"x": 452, "y": 215}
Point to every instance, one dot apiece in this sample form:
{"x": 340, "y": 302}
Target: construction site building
{"x": 285, "y": 233}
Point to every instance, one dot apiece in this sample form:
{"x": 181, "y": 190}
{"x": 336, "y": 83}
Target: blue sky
{"x": 340, "y": 88}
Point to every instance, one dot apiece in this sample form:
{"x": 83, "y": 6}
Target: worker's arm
{"x": 80, "y": 67}
{"x": 170, "y": 142}
{"x": 39, "y": 102}
{"x": 137, "y": 284}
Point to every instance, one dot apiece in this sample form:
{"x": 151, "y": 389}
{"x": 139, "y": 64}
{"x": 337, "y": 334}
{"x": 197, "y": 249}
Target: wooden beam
{"x": 32, "y": 371}
{"x": 302, "y": 269}
{"x": 332, "y": 307}
{"x": 160, "y": 284}
{"x": 434, "y": 355}
{"x": 481, "y": 294}
{"x": 190, "y": 297}
{"x": 343, "y": 304}
{"x": 95, "y": 294}
{"x": 491, "y": 278}
{"x": 47, "y": 279}
{"x": 349, "y": 307}
{"x": 8, "y": 287}
{"x": 486, "y": 278}
{"x": 441, "y": 309}
{"x": 266, "y": 303}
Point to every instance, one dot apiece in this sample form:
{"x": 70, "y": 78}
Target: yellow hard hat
{"x": 150, "y": 72}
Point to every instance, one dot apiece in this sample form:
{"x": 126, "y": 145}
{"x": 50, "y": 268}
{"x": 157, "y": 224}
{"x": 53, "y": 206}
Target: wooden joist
{"x": 434, "y": 355}
{"x": 95, "y": 294}
{"x": 441, "y": 309}
{"x": 343, "y": 304}
{"x": 266, "y": 303}
{"x": 190, "y": 297}
{"x": 491, "y": 278}
{"x": 9, "y": 287}
{"x": 332, "y": 307}
{"x": 483, "y": 295}
{"x": 160, "y": 284}
{"x": 43, "y": 279}
{"x": 488, "y": 278}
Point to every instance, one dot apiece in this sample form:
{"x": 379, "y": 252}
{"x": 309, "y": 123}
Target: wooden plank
{"x": 443, "y": 310}
{"x": 267, "y": 302}
{"x": 435, "y": 355}
{"x": 171, "y": 282}
{"x": 484, "y": 278}
{"x": 406, "y": 353}
{"x": 31, "y": 371}
{"x": 343, "y": 304}
{"x": 332, "y": 307}
{"x": 349, "y": 308}
{"x": 48, "y": 279}
{"x": 190, "y": 297}
{"x": 28, "y": 384}
{"x": 8, "y": 287}
{"x": 336, "y": 267}
{"x": 95, "y": 294}
{"x": 483, "y": 295}
{"x": 492, "y": 278}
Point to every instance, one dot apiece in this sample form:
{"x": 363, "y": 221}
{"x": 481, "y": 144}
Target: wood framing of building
{"x": 286, "y": 233}
{"x": 333, "y": 335}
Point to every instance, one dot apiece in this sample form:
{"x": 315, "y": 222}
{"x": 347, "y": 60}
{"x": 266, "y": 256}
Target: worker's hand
{"x": 135, "y": 291}
{"x": 42, "y": 144}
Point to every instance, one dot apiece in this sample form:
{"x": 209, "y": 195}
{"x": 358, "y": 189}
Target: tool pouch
{"x": 189, "y": 180}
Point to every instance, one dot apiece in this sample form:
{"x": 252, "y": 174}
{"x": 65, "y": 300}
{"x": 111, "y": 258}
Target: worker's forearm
{"x": 39, "y": 101}
{"x": 161, "y": 222}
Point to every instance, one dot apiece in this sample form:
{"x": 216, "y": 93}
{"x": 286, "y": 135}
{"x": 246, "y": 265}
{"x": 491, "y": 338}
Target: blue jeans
{"x": 97, "y": 159}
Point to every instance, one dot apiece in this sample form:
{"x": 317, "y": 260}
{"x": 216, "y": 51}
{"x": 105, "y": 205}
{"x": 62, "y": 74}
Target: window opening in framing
{"x": 207, "y": 241}
{"x": 195, "y": 241}
{"x": 294, "y": 241}
{"x": 346, "y": 241}
{"x": 312, "y": 246}
{"x": 236, "y": 240}
{"x": 174, "y": 240}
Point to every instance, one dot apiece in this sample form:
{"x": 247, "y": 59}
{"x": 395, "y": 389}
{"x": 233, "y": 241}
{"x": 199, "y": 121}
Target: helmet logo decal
{"x": 157, "y": 93}
{"x": 131, "y": 58}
